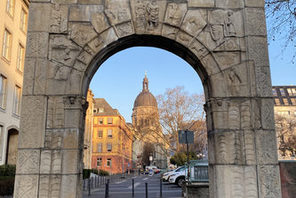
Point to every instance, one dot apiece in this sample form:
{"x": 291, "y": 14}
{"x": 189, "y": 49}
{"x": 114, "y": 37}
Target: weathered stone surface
{"x": 254, "y": 3}
{"x": 81, "y": 33}
{"x": 249, "y": 147}
{"x": 230, "y": 3}
{"x": 37, "y": 44}
{"x": 71, "y": 139}
{"x": 28, "y": 161}
{"x": 117, "y": 11}
{"x": 64, "y": 1}
{"x": 124, "y": 29}
{"x": 68, "y": 181}
{"x": 257, "y": 50}
{"x": 148, "y": 16}
{"x": 255, "y": 26}
{"x": 175, "y": 13}
{"x": 38, "y": 18}
{"x": 70, "y": 162}
{"x": 99, "y": 22}
{"x": 100, "y": 2}
{"x": 55, "y": 112}
{"x": 59, "y": 19}
{"x": 201, "y": 3}
{"x": 266, "y": 147}
{"x": 80, "y": 13}
{"x": 269, "y": 181}
{"x": 263, "y": 81}
{"x": 29, "y": 71}
{"x": 32, "y": 122}
{"x": 194, "y": 22}
{"x": 26, "y": 186}
{"x": 267, "y": 113}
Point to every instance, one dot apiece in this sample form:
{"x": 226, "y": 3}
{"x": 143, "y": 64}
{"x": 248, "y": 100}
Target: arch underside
{"x": 221, "y": 41}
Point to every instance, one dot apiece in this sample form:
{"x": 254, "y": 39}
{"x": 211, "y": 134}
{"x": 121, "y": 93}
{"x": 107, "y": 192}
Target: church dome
{"x": 145, "y": 98}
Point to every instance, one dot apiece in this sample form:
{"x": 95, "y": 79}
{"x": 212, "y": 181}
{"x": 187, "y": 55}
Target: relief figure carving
{"x": 140, "y": 14}
{"x": 229, "y": 29}
{"x": 234, "y": 82}
{"x": 153, "y": 14}
{"x": 174, "y": 14}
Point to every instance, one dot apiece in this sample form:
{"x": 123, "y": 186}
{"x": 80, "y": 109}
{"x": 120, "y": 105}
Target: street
{"x": 123, "y": 189}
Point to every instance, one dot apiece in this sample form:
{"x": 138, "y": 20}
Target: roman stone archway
{"x": 223, "y": 40}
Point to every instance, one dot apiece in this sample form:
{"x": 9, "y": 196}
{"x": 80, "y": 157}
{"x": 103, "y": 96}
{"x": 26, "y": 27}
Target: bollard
{"x": 160, "y": 187}
{"x": 133, "y": 187}
{"x": 107, "y": 190}
{"x": 146, "y": 189}
{"x": 88, "y": 186}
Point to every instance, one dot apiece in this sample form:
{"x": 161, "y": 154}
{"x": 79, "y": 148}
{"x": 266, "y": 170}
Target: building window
{"x": 286, "y": 102}
{"x": 99, "y": 161}
{"x": 293, "y": 100}
{"x": 101, "y": 110}
{"x": 277, "y": 101}
{"x": 10, "y": 7}
{"x": 110, "y": 120}
{"x": 95, "y": 110}
{"x": 282, "y": 92}
{"x": 17, "y": 100}
{"x": 109, "y": 133}
{"x": 109, "y": 147}
{"x": 6, "y": 48}
{"x": 101, "y": 121}
{"x": 274, "y": 92}
{"x": 99, "y": 147}
{"x": 100, "y": 133}
{"x": 291, "y": 91}
{"x": 109, "y": 162}
{"x": 20, "y": 58}
{"x": 23, "y": 22}
{"x": 3, "y": 82}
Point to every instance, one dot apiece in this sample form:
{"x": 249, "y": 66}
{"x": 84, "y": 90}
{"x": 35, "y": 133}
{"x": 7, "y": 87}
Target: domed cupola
{"x": 145, "y": 98}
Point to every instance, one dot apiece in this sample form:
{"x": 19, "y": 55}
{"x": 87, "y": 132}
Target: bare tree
{"x": 281, "y": 15}
{"x": 179, "y": 110}
{"x": 286, "y": 134}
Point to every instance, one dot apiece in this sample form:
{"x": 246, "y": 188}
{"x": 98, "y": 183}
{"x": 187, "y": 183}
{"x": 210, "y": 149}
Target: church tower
{"x": 145, "y": 120}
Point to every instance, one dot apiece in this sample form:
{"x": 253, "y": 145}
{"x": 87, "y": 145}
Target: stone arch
{"x": 224, "y": 41}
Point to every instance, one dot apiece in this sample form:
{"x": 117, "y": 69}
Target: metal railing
{"x": 199, "y": 171}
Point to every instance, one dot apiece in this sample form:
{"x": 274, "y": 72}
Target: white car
{"x": 166, "y": 176}
{"x": 178, "y": 177}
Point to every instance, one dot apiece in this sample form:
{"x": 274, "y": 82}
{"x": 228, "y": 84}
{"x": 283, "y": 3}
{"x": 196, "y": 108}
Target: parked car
{"x": 178, "y": 177}
{"x": 166, "y": 176}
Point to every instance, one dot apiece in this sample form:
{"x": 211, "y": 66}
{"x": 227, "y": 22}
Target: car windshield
{"x": 180, "y": 169}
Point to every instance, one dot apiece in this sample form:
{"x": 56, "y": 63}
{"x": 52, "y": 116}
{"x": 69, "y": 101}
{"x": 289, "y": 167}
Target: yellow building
{"x": 285, "y": 120}
{"x": 13, "y": 28}
{"x": 112, "y": 139}
{"x": 88, "y": 130}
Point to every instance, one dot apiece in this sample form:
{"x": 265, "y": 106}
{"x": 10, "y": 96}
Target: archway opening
{"x": 12, "y": 143}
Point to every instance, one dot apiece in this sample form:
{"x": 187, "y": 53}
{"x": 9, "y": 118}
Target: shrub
{"x": 7, "y": 170}
{"x": 103, "y": 173}
{"x": 6, "y": 185}
{"x": 86, "y": 172}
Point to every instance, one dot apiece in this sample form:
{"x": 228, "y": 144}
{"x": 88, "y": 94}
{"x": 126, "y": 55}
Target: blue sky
{"x": 119, "y": 79}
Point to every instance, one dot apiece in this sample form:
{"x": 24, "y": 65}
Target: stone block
{"x": 266, "y": 147}
{"x": 227, "y": 59}
{"x": 64, "y": 1}
{"x": 55, "y": 112}
{"x": 169, "y": 31}
{"x": 263, "y": 81}
{"x": 249, "y": 147}
{"x": 219, "y": 88}
{"x": 26, "y": 186}
{"x": 39, "y": 17}
{"x": 81, "y": 33}
{"x": 255, "y": 22}
{"x": 201, "y": 3}
{"x": 67, "y": 190}
{"x": 235, "y": 181}
{"x": 124, "y": 29}
{"x": 33, "y": 122}
{"x": 175, "y": 13}
{"x": 230, "y": 4}
{"x": 184, "y": 38}
{"x": 194, "y": 22}
{"x": 257, "y": 50}
{"x": 56, "y": 166}
{"x": 28, "y": 161}
{"x": 267, "y": 113}
{"x": 99, "y": 22}
{"x": 29, "y": 71}
{"x": 70, "y": 162}
{"x": 82, "y": 60}
{"x": 59, "y": 18}
{"x": 108, "y": 37}
{"x": 37, "y": 44}
{"x": 254, "y": 3}
{"x": 269, "y": 181}
{"x": 83, "y": 13}
{"x": 45, "y": 163}
{"x": 117, "y": 11}
{"x": 148, "y": 16}
{"x": 209, "y": 63}
{"x": 92, "y": 2}
{"x": 71, "y": 139}
{"x": 49, "y": 186}
{"x": 40, "y": 78}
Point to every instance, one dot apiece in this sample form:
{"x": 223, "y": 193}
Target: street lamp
{"x": 150, "y": 159}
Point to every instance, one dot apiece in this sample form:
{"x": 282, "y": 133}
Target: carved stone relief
{"x": 28, "y": 161}
{"x": 124, "y": 29}
{"x": 82, "y": 60}
{"x": 194, "y": 22}
{"x": 81, "y": 33}
{"x": 37, "y": 44}
{"x": 169, "y": 31}
{"x": 175, "y": 14}
{"x": 184, "y": 38}
{"x": 62, "y": 50}
{"x": 55, "y": 112}
{"x": 99, "y": 22}
{"x": 58, "y": 19}
{"x": 249, "y": 147}
{"x": 266, "y": 147}
{"x": 269, "y": 182}
{"x": 26, "y": 186}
